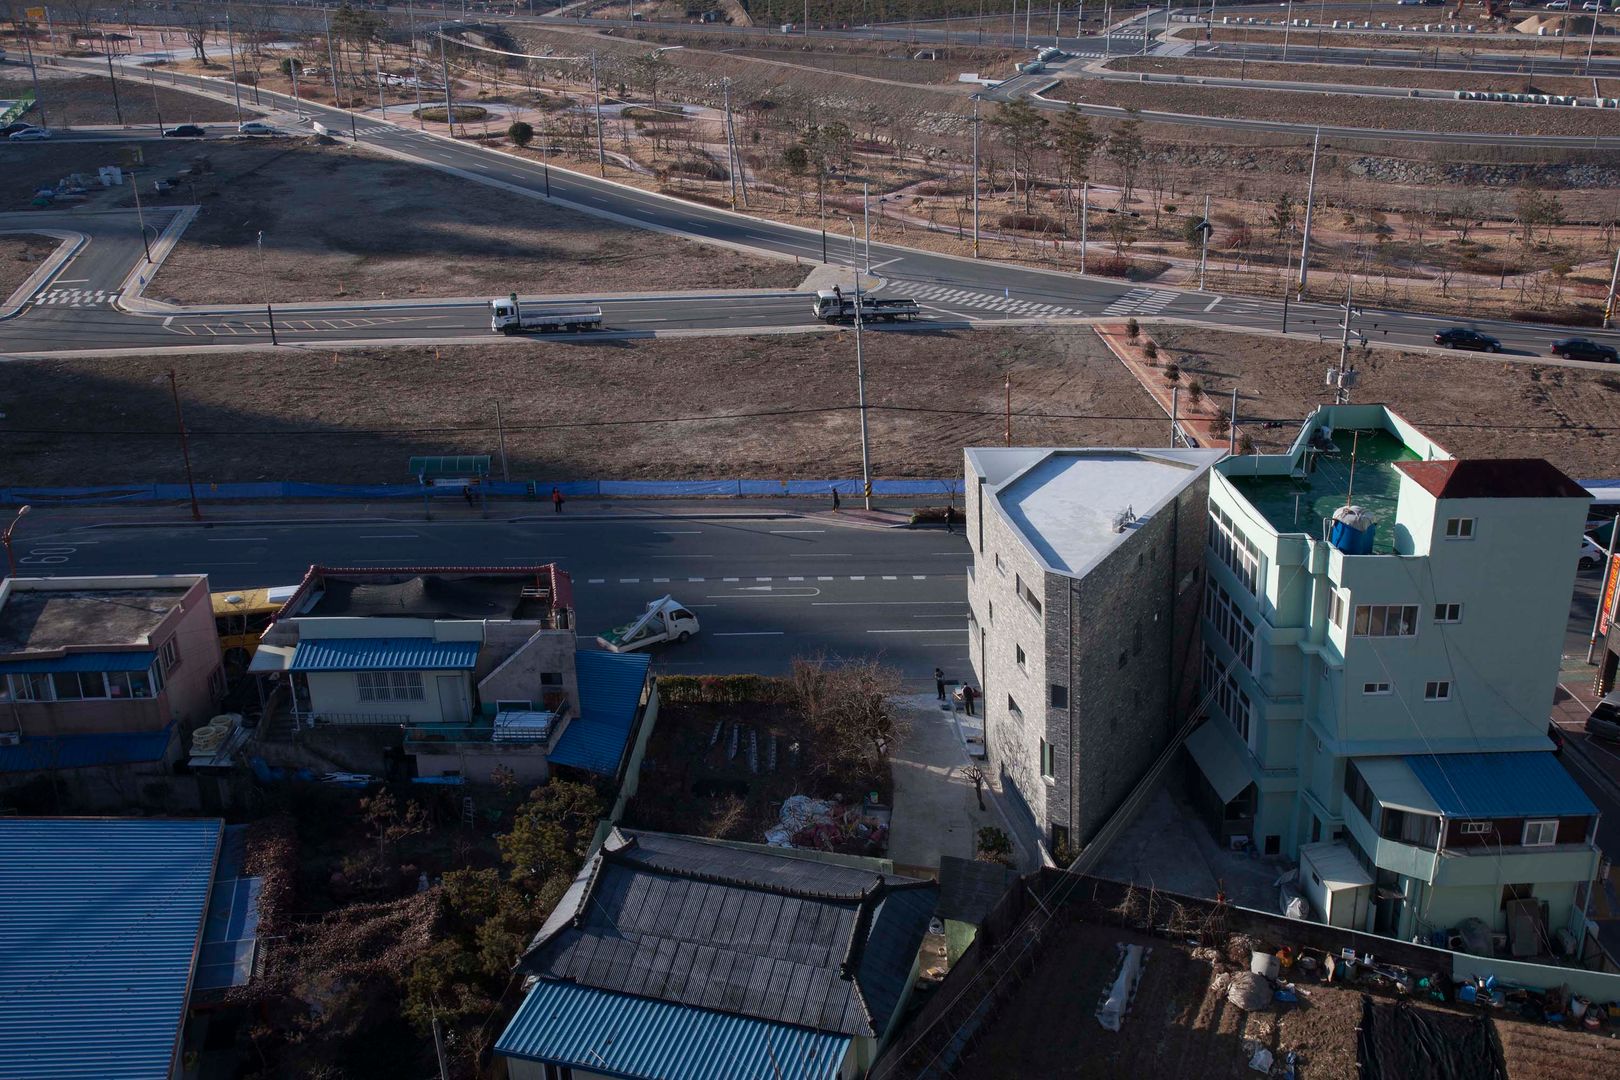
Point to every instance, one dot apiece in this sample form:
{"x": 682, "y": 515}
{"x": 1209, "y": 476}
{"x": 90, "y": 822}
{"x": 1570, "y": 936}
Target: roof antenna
{"x": 1355, "y": 441}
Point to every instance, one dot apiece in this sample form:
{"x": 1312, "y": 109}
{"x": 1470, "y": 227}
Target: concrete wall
{"x": 638, "y": 752}
{"x": 338, "y": 692}
{"x": 524, "y": 653}
{"x": 477, "y": 760}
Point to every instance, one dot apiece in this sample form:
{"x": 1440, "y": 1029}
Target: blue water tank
{"x": 1353, "y": 530}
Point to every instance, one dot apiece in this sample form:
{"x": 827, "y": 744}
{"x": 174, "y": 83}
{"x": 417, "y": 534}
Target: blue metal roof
{"x": 1528, "y": 784}
{"x": 230, "y": 934}
{"x": 384, "y": 654}
{"x": 94, "y": 661}
{"x": 99, "y": 922}
{"x": 624, "y": 1036}
{"x": 82, "y": 751}
{"x": 610, "y": 686}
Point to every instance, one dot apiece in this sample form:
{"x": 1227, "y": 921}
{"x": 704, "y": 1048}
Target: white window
{"x": 1012, "y": 707}
{"x": 389, "y": 685}
{"x": 1448, "y": 613}
{"x": 1459, "y": 528}
{"x": 1437, "y": 691}
{"x": 1476, "y": 828}
{"x": 1234, "y": 627}
{"x": 1336, "y": 609}
{"x": 1386, "y": 620}
{"x": 1375, "y": 689}
{"x": 170, "y": 654}
{"x": 1022, "y": 661}
{"x": 1540, "y": 833}
{"x": 1027, "y": 594}
{"x": 1048, "y": 761}
{"x": 1233, "y": 548}
{"x": 1228, "y": 696}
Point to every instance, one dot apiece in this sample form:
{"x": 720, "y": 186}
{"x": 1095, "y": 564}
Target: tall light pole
{"x": 230, "y": 45}
{"x": 5, "y": 538}
{"x": 1614, "y": 282}
{"x": 601, "y": 150}
{"x": 975, "y": 176}
{"x": 416, "y": 72}
{"x": 1203, "y": 246}
{"x": 1341, "y": 393}
{"x": 860, "y": 381}
{"x": 1310, "y": 199}
{"x": 28, "y": 47}
{"x": 1288, "y": 26}
{"x": 140, "y": 214}
{"x": 1085, "y": 199}
{"x": 866, "y": 220}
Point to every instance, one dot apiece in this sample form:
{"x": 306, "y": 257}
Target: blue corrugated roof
{"x": 99, "y": 921}
{"x": 610, "y": 687}
{"x": 621, "y": 1035}
{"x": 82, "y": 751}
{"x": 230, "y": 935}
{"x": 384, "y": 654}
{"x": 94, "y": 661}
{"x": 1527, "y": 784}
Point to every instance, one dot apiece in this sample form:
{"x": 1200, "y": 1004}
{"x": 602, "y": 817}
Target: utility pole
{"x": 230, "y": 45}
{"x": 156, "y": 108}
{"x": 5, "y": 538}
{"x": 866, "y": 220}
{"x": 185, "y": 448}
{"x": 1006, "y": 434}
{"x": 1029, "y": 8}
{"x": 860, "y": 381}
{"x": 1085, "y": 209}
{"x": 1209, "y": 31}
{"x": 269, "y": 311}
{"x": 1231, "y": 424}
{"x": 1614, "y": 282}
{"x": 601, "y": 150}
{"x": 1341, "y": 395}
{"x": 976, "y": 175}
{"x": 1175, "y": 404}
{"x": 500, "y": 436}
{"x": 1288, "y": 26}
{"x": 1310, "y": 201}
{"x": 1108, "y": 30}
{"x": 444, "y": 62}
{"x": 28, "y": 47}
{"x": 1288, "y": 272}
{"x": 416, "y": 74}
{"x": 140, "y": 215}
{"x": 1590, "y": 42}
{"x": 1203, "y": 247}
{"x": 114, "y": 80}
{"x": 731, "y": 144}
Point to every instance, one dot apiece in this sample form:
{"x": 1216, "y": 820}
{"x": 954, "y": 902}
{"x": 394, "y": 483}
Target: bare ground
{"x": 84, "y": 99}
{"x": 1344, "y": 74}
{"x": 1451, "y": 46}
{"x": 20, "y": 256}
{"x": 340, "y": 222}
{"x": 357, "y": 416}
{"x": 1348, "y": 110}
{"x": 1472, "y": 407}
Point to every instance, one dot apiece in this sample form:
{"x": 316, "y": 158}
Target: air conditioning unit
{"x": 10, "y": 738}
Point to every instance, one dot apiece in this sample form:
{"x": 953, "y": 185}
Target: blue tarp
{"x": 610, "y": 686}
{"x": 540, "y": 489}
{"x": 83, "y": 751}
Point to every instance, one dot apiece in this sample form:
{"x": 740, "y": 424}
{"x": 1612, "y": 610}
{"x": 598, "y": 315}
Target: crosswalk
{"x": 1142, "y": 302}
{"x": 950, "y": 296}
{"x": 76, "y": 297}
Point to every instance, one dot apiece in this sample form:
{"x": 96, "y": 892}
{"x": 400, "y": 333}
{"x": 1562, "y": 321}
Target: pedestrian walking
{"x": 835, "y": 500}
{"x": 556, "y": 499}
{"x": 939, "y": 683}
{"x": 950, "y": 526}
{"x": 967, "y": 698}
{"x": 466, "y": 493}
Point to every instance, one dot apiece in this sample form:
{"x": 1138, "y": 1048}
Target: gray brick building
{"x": 1083, "y": 620}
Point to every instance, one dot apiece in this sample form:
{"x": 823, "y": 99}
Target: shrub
{"x": 464, "y": 113}
{"x": 1037, "y": 223}
{"x": 290, "y": 65}
{"x": 1150, "y": 349}
{"x": 520, "y": 133}
{"x": 721, "y": 689}
{"x": 1133, "y": 329}
{"x": 994, "y": 846}
{"x": 935, "y": 515}
{"x": 1195, "y": 390}
{"x": 1172, "y": 372}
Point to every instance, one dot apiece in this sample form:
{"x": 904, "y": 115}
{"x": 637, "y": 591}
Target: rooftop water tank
{"x": 1352, "y": 530}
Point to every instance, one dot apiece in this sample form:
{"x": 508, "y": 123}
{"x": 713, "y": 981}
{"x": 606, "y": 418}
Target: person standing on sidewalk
{"x": 556, "y": 499}
{"x": 835, "y": 499}
{"x": 967, "y": 698}
{"x": 939, "y": 683}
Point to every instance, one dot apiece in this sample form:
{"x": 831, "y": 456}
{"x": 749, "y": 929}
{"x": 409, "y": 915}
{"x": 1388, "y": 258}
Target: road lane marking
{"x": 629, "y": 581}
{"x": 883, "y": 603}
{"x": 682, "y": 556}
{"x": 597, "y": 581}
{"x": 388, "y": 536}
{"x": 677, "y": 532}
{"x": 795, "y": 532}
{"x": 235, "y": 539}
{"x": 919, "y": 630}
{"x": 694, "y": 579}
{"x": 822, "y": 554}
{"x": 750, "y": 633}
{"x": 660, "y": 581}
{"x": 1212, "y": 304}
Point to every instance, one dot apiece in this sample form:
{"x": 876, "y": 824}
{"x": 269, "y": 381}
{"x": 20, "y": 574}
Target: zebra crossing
{"x": 1142, "y": 302}
{"x": 950, "y": 296}
{"x": 75, "y": 297}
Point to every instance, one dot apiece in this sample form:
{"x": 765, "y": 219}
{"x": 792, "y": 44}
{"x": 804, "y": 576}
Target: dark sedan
{"x": 11, "y": 129}
{"x": 1460, "y": 337}
{"x": 1575, "y": 348}
{"x": 185, "y": 131}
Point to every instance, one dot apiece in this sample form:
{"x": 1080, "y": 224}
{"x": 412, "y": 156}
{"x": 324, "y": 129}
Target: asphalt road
{"x": 765, "y": 590}
{"x": 952, "y": 291}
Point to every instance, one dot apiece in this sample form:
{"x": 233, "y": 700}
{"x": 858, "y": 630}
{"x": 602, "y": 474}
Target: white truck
{"x": 834, "y": 305}
{"x": 664, "y": 620}
{"x": 509, "y": 317}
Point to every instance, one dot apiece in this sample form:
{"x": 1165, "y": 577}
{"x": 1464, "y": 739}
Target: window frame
{"x": 1020, "y": 658}
{"x": 1337, "y": 606}
{"x": 169, "y": 653}
{"x": 1377, "y": 689}
{"x": 1547, "y": 827}
{"x": 1437, "y": 690}
{"x": 1459, "y": 528}
{"x": 1384, "y": 615}
{"x": 1048, "y": 765}
{"x": 1448, "y": 614}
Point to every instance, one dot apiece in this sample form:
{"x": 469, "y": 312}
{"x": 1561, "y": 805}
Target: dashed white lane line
{"x": 750, "y": 633}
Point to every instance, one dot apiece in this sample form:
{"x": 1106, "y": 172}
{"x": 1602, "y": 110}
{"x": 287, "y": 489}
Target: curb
{"x": 71, "y": 244}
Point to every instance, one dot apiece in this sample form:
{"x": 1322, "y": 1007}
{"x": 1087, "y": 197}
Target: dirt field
{"x": 1450, "y": 46}
{"x": 898, "y": 63}
{"x": 1472, "y": 407}
{"x": 20, "y": 256}
{"x": 1365, "y": 112}
{"x": 86, "y": 100}
{"x": 27, "y": 167}
{"x": 381, "y": 228}
{"x": 1346, "y": 75}
{"x": 357, "y": 416}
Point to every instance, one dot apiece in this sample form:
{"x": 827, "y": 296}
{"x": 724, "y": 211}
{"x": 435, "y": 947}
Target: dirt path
{"x": 683, "y": 408}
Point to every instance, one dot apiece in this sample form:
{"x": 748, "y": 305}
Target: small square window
{"x": 1375, "y": 689}
{"x": 1023, "y": 664}
{"x": 1124, "y": 658}
{"x": 1336, "y": 609}
{"x": 1476, "y": 828}
{"x": 1540, "y": 833}
{"x": 1048, "y": 761}
{"x": 1060, "y": 696}
{"x": 1437, "y": 691}
{"x": 1459, "y": 528}
{"x": 1448, "y": 613}
{"x": 1012, "y": 707}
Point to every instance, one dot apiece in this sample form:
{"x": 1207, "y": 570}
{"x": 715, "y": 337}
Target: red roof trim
{"x": 1492, "y": 478}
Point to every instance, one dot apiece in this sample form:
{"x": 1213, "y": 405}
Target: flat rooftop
{"x": 430, "y": 596}
{"x": 1073, "y": 506}
{"x": 1299, "y": 503}
{"x": 40, "y": 620}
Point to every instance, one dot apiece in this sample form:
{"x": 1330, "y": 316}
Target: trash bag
{"x": 1249, "y": 992}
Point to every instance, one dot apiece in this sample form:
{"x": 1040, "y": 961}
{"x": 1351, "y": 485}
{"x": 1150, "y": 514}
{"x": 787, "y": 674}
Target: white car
{"x": 1592, "y": 554}
{"x": 1593, "y": 5}
{"x": 31, "y": 135}
{"x": 257, "y": 127}
{"x": 1558, "y": 5}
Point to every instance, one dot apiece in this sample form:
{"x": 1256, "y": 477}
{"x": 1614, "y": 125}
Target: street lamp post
{"x": 1310, "y": 199}
{"x": 269, "y": 309}
{"x": 5, "y": 538}
{"x": 1608, "y": 303}
{"x": 975, "y": 176}
{"x": 236, "y": 84}
{"x": 860, "y": 381}
{"x": 140, "y": 214}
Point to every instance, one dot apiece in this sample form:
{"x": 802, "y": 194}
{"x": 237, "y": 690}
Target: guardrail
{"x": 353, "y": 719}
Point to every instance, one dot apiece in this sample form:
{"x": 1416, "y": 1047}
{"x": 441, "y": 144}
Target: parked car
{"x": 1558, "y": 5}
{"x": 185, "y": 131}
{"x": 1572, "y": 348}
{"x": 1593, "y": 5}
{"x": 1604, "y": 722}
{"x": 1461, "y": 337}
{"x": 257, "y": 127}
{"x": 1592, "y": 554}
{"x": 14, "y": 127}
{"x": 33, "y": 134}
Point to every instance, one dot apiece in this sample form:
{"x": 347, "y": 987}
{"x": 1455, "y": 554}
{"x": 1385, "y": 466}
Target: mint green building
{"x": 1383, "y": 627}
